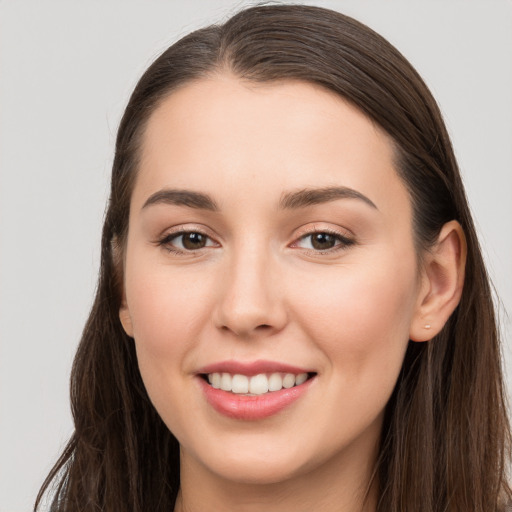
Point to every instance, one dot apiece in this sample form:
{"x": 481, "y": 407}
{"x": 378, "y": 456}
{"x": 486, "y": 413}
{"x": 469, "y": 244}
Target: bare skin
{"x": 243, "y": 266}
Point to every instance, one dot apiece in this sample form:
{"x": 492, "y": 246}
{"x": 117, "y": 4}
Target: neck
{"x": 344, "y": 483}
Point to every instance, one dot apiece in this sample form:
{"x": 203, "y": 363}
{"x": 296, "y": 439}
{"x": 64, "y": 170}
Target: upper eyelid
{"x": 312, "y": 228}
{"x": 166, "y": 242}
{"x": 167, "y": 237}
{"x": 343, "y": 239}
{"x": 183, "y": 229}
{"x": 299, "y": 234}
{"x": 176, "y": 234}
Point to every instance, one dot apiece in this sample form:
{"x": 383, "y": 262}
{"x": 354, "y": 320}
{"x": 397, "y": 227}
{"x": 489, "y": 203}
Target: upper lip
{"x": 251, "y": 368}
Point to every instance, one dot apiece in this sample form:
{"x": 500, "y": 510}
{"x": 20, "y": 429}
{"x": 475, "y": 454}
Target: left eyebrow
{"x": 312, "y": 196}
{"x": 187, "y": 198}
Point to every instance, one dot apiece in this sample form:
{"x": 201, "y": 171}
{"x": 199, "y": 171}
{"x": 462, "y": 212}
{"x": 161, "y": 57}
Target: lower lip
{"x": 256, "y": 407}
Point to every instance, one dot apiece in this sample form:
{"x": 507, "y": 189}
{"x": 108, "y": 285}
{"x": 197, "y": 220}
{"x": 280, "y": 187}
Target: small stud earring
{"x": 427, "y": 326}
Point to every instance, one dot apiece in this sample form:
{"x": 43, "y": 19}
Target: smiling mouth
{"x": 263, "y": 383}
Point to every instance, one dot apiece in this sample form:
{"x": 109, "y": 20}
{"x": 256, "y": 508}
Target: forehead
{"x": 222, "y": 134}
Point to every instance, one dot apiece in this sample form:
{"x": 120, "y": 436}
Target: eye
{"x": 323, "y": 241}
{"x": 186, "y": 241}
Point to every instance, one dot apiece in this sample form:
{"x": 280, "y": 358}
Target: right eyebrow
{"x": 187, "y": 198}
{"x": 311, "y": 196}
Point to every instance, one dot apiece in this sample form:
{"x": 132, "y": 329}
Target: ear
{"x": 441, "y": 283}
{"x": 124, "y": 312}
{"x": 125, "y": 317}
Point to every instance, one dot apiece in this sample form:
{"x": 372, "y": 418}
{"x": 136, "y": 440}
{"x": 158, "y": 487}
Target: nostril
{"x": 246, "y": 332}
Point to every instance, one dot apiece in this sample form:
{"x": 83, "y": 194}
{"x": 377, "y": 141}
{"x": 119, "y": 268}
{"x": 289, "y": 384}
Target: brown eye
{"x": 193, "y": 241}
{"x": 186, "y": 241}
{"x": 322, "y": 241}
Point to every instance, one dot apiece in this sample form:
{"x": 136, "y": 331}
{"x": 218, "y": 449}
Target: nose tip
{"x": 247, "y": 315}
{"x": 251, "y": 303}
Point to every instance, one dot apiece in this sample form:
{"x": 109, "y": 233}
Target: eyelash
{"x": 165, "y": 242}
{"x": 342, "y": 242}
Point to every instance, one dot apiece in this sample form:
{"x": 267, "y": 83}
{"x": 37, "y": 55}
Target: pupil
{"x": 322, "y": 241}
{"x": 194, "y": 241}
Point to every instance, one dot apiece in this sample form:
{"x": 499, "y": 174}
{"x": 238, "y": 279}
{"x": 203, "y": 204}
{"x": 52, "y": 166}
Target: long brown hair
{"x": 446, "y": 437}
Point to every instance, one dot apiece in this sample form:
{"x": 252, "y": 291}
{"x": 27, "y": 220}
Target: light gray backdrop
{"x": 66, "y": 69}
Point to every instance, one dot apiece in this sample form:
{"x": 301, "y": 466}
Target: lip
{"x": 251, "y": 407}
{"x": 252, "y": 368}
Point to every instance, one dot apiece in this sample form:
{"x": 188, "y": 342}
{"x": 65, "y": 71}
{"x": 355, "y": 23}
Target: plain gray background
{"x": 66, "y": 69}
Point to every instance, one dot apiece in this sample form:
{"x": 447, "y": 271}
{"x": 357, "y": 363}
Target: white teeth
{"x": 240, "y": 384}
{"x": 289, "y": 381}
{"x": 275, "y": 382}
{"x": 225, "y": 382}
{"x": 215, "y": 380}
{"x": 257, "y": 384}
{"x": 301, "y": 378}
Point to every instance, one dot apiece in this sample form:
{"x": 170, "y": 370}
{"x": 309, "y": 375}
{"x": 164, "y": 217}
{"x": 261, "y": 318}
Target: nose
{"x": 251, "y": 302}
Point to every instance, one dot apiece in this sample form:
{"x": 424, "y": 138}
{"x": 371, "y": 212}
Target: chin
{"x": 251, "y": 473}
{"x": 258, "y": 463}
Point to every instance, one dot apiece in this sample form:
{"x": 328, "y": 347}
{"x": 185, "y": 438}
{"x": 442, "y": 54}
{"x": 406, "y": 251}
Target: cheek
{"x": 168, "y": 312}
{"x": 164, "y": 303}
{"x": 360, "y": 318}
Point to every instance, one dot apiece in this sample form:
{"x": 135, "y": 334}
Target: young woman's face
{"x": 269, "y": 237}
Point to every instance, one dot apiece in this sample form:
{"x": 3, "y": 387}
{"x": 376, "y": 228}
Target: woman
{"x": 292, "y": 310}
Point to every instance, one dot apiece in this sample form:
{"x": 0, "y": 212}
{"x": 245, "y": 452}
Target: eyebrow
{"x": 290, "y": 200}
{"x": 188, "y": 198}
{"x": 312, "y": 196}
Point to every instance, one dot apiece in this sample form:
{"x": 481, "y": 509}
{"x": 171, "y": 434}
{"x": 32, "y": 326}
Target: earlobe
{"x": 442, "y": 283}
{"x": 124, "y": 312}
{"x": 126, "y": 319}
